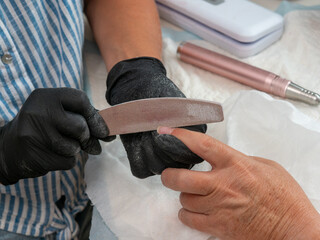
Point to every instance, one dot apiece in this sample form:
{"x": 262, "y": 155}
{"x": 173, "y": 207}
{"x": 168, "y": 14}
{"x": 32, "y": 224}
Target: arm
{"x": 125, "y": 29}
{"x": 129, "y": 37}
{"x": 242, "y": 197}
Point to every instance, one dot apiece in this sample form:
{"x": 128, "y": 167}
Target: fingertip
{"x": 164, "y": 176}
{"x": 169, "y": 177}
{"x": 194, "y": 220}
{"x": 184, "y": 216}
{"x": 180, "y": 214}
{"x": 70, "y": 163}
{"x": 179, "y": 133}
{"x": 109, "y": 138}
{"x": 98, "y": 126}
{"x": 92, "y": 146}
{"x": 165, "y": 130}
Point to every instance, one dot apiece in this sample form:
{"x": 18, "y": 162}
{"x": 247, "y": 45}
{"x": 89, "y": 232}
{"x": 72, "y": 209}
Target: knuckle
{"x": 80, "y": 127}
{"x": 205, "y": 186}
{"x": 70, "y": 163}
{"x": 246, "y": 172}
{"x": 165, "y": 177}
{"x": 274, "y": 164}
{"x": 192, "y": 222}
{"x": 29, "y": 114}
{"x": 267, "y": 162}
{"x": 206, "y": 144}
{"x": 168, "y": 179}
{"x": 83, "y": 97}
{"x": 183, "y": 199}
{"x": 40, "y": 93}
{"x": 189, "y": 201}
{"x": 56, "y": 141}
{"x": 24, "y": 138}
{"x": 224, "y": 151}
{"x": 36, "y": 92}
{"x": 209, "y": 145}
{"x": 64, "y": 148}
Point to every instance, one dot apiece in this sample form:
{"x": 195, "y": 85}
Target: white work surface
{"x": 255, "y": 123}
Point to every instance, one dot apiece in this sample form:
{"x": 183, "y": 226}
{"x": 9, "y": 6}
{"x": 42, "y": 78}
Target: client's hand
{"x": 242, "y": 197}
{"x": 148, "y": 152}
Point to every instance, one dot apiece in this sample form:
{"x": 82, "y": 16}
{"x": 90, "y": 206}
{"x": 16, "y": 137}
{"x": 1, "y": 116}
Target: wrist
{"x": 133, "y": 69}
{"x": 307, "y": 228}
{"x": 302, "y": 224}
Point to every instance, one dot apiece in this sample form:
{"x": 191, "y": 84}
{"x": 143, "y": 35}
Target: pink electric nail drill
{"x": 244, "y": 73}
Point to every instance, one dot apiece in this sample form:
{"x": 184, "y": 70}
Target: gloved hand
{"x": 52, "y": 126}
{"x": 149, "y": 153}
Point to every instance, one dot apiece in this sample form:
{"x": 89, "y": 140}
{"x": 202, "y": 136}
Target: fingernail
{"x": 165, "y": 130}
{"x": 180, "y": 213}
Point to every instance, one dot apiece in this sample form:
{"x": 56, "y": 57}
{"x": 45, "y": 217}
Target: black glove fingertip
{"x": 98, "y": 127}
{"x": 176, "y": 150}
{"x": 198, "y": 128}
{"x": 136, "y": 154}
{"x": 109, "y": 138}
{"x": 92, "y": 146}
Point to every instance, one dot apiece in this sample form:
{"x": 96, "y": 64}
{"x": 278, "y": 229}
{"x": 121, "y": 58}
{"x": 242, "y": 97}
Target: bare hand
{"x": 242, "y": 197}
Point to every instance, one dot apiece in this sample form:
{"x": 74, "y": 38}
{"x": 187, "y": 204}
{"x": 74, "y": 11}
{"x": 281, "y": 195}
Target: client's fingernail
{"x": 165, "y": 130}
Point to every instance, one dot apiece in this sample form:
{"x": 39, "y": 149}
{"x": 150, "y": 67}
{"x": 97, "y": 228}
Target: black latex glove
{"x": 149, "y": 153}
{"x": 52, "y": 126}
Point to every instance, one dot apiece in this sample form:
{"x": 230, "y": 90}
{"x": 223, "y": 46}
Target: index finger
{"x": 213, "y": 151}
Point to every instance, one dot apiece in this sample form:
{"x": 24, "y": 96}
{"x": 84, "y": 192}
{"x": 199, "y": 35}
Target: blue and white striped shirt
{"x": 45, "y": 41}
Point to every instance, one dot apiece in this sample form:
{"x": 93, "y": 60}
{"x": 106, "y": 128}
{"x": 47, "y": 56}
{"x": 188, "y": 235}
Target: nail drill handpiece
{"x": 244, "y": 73}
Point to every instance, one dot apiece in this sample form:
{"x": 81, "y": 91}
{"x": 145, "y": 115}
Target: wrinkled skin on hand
{"x": 149, "y": 153}
{"x": 242, "y": 197}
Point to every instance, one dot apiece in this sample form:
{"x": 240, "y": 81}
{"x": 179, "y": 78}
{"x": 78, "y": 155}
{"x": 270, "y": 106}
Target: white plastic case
{"x": 239, "y": 26}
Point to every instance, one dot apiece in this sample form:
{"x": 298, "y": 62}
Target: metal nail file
{"x": 148, "y": 114}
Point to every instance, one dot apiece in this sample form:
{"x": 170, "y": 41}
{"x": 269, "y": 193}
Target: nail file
{"x": 148, "y": 114}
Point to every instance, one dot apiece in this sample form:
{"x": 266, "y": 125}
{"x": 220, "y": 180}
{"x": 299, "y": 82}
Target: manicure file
{"x": 148, "y": 114}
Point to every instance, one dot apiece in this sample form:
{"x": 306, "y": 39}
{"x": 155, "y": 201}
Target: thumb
{"x": 77, "y": 101}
